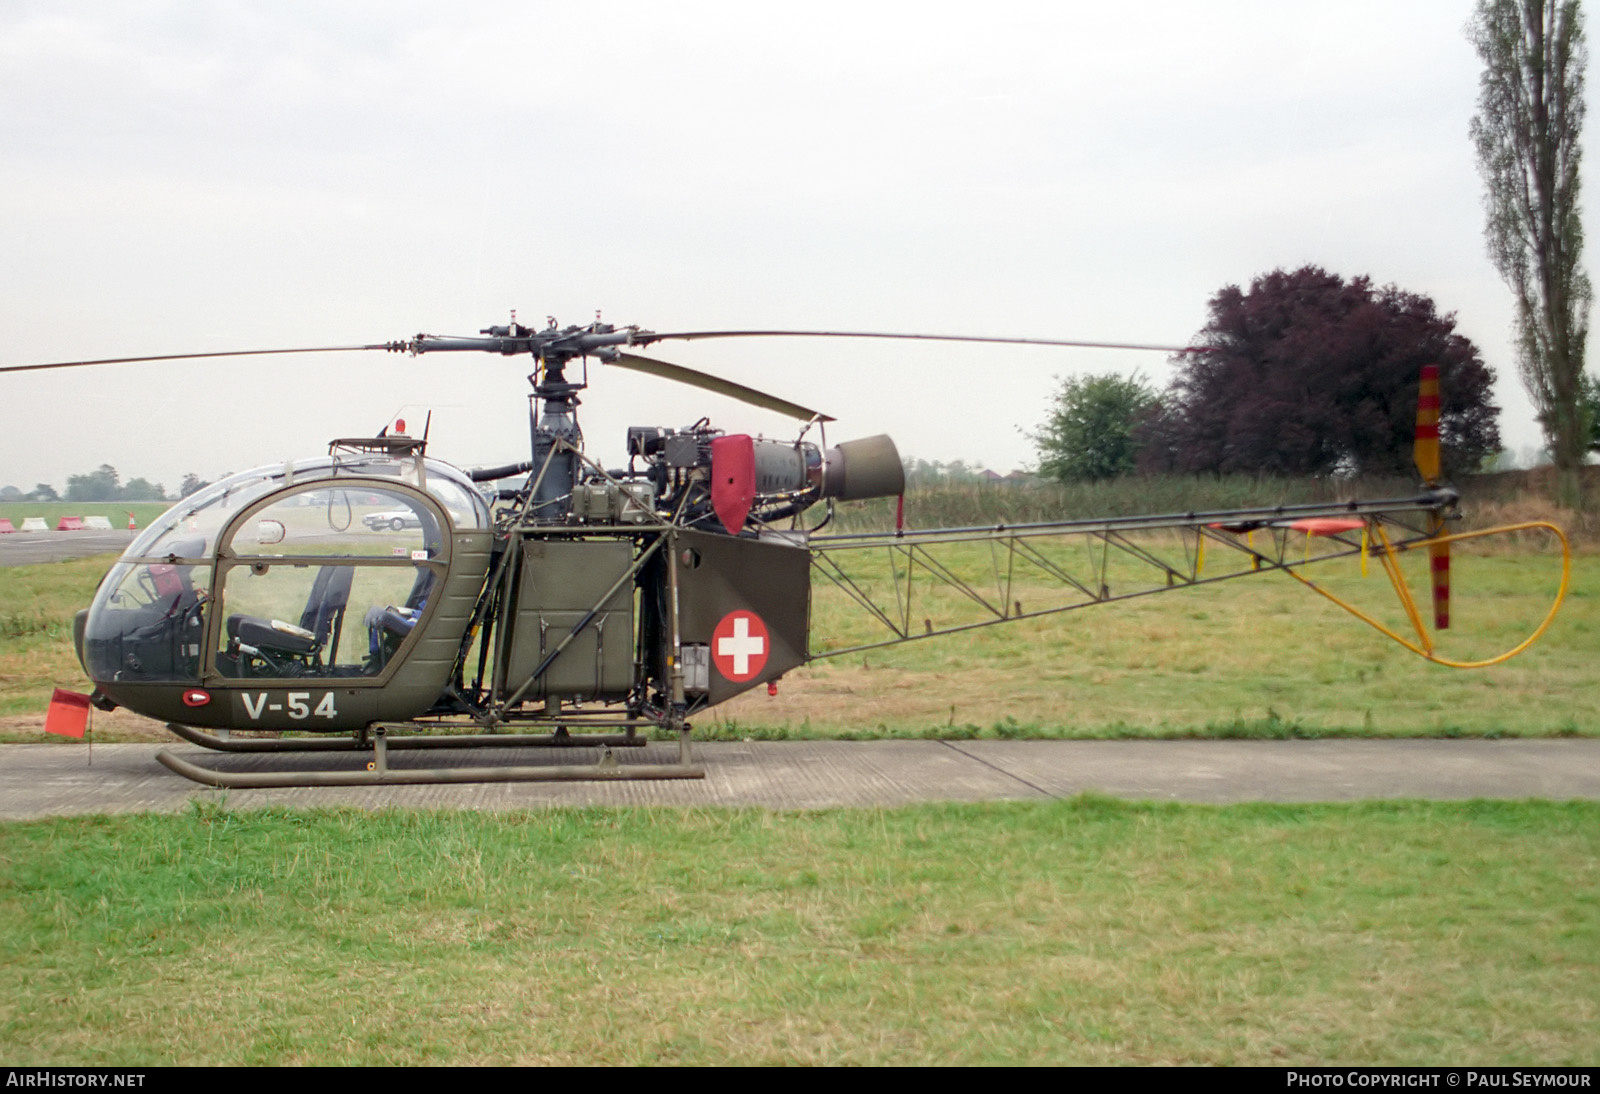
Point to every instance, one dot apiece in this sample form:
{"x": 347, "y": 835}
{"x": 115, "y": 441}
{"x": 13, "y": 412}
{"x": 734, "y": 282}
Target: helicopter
{"x": 379, "y": 598}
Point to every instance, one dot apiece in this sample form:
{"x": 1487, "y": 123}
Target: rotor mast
{"x": 555, "y": 436}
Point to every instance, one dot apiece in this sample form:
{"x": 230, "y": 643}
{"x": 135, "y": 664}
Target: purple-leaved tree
{"x": 1306, "y": 373}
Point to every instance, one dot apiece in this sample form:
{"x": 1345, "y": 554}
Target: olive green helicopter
{"x": 376, "y": 598}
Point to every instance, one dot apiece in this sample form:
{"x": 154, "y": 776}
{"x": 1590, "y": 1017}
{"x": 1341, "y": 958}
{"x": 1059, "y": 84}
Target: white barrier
{"x": 33, "y": 524}
{"x": 99, "y": 524}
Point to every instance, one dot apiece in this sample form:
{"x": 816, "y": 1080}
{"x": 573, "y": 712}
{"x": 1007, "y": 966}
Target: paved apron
{"x": 72, "y": 778}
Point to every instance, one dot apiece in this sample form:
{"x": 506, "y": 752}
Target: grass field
{"x": 1082, "y": 931}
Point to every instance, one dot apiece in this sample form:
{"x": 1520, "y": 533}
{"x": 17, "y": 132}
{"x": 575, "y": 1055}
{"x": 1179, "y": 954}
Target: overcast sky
{"x": 180, "y": 177}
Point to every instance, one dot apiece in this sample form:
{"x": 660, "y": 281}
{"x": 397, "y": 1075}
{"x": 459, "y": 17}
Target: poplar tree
{"x": 1530, "y": 117}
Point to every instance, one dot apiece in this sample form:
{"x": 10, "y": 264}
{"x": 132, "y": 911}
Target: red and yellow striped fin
{"x": 1430, "y": 467}
{"x": 1426, "y": 452}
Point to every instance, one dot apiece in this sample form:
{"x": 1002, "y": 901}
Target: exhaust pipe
{"x": 868, "y": 468}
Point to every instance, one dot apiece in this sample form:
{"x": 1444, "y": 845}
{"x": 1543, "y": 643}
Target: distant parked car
{"x": 393, "y": 519}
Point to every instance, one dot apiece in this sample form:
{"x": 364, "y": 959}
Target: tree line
{"x": 104, "y": 484}
{"x": 1303, "y": 373}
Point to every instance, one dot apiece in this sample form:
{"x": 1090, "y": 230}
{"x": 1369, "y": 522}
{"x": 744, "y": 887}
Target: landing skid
{"x": 379, "y": 773}
{"x": 561, "y": 738}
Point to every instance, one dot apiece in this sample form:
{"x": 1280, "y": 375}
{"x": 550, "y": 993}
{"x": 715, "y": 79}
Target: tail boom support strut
{"x": 1127, "y": 558}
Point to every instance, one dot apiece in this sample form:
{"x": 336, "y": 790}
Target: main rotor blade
{"x": 646, "y": 339}
{"x": 706, "y": 382}
{"x": 191, "y": 356}
{"x": 642, "y": 338}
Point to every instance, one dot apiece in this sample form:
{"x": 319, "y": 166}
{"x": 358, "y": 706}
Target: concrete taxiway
{"x": 64, "y": 779}
{"x": 32, "y": 548}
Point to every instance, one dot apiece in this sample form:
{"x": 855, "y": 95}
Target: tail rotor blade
{"x": 1426, "y": 452}
{"x": 1430, "y": 467}
{"x": 1439, "y": 571}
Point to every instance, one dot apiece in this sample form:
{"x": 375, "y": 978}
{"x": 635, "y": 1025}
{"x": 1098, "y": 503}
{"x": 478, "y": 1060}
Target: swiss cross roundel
{"x": 739, "y": 646}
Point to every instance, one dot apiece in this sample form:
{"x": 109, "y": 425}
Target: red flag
{"x": 69, "y": 713}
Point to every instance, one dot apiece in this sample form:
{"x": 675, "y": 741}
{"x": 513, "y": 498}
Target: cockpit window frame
{"x": 224, "y": 559}
{"x": 268, "y": 480}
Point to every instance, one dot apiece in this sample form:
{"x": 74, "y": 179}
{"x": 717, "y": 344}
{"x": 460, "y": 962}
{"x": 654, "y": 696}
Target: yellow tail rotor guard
{"x": 1388, "y": 556}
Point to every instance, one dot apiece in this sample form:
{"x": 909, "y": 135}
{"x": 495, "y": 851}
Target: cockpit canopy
{"x": 254, "y": 576}
{"x": 205, "y": 512}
